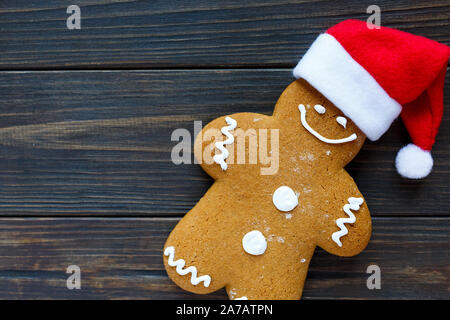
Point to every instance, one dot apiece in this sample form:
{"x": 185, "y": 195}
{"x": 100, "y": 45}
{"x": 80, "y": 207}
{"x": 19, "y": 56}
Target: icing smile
{"x": 302, "y": 110}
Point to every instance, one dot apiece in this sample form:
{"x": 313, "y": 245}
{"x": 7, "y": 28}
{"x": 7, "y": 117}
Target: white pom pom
{"x": 413, "y": 162}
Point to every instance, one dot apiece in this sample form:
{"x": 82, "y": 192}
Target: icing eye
{"x": 319, "y": 109}
{"x": 342, "y": 121}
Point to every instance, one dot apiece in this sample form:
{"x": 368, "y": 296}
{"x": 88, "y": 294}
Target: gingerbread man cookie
{"x": 255, "y": 234}
{"x": 280, "y": 185}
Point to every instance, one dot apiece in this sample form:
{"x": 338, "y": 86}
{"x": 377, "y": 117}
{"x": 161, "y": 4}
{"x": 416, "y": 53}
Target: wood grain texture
{"x": 98, "y": 143}
{"x": 194, "y": 33}
{"x": 122, "y": 258}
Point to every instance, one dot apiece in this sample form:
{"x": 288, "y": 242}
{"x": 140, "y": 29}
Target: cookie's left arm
{"x": 346, "y": 225}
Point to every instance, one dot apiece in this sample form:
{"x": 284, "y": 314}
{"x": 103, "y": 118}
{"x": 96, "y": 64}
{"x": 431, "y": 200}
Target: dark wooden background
{"x": 85, "y": 123}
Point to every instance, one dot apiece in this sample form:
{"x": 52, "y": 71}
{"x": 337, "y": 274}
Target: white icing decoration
{"x": 180, "y": 263}
{"x": 320, "y": 109}
{"x": 220, "y": 158}
{"x": 242, "y": 298}
{"x": 353, "y": 204}
{"x": 285, "y": 199}
{"x": 303, "y": 260}
{"x": 302, "y": 110}
{"x": 254, "y": 243}
{"x": 342, "y": 121}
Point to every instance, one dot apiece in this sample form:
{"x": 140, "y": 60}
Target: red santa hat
{"x": 373, "y": 75}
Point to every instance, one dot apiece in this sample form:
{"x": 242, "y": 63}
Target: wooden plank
{"x": 201, "y": 33}
{"x": 91, "y": 143}
{"x": 121, "y": 258}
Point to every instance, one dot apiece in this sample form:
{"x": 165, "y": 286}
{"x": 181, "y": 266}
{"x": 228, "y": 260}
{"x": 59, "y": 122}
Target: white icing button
{"x": 284, "y": 199}
{"x": 320, "y": 109}
{"x": 342, "y": 121}
{"x": 254, "y": 243}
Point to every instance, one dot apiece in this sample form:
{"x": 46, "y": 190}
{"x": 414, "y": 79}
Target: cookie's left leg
{"x": 273, "y": 283}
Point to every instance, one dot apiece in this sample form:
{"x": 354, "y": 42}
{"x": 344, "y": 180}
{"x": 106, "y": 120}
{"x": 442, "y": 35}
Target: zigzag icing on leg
{"x": 180, "y": 263}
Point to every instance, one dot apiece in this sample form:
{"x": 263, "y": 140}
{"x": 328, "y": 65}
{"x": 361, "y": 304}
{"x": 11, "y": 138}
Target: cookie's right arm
{"x": 215, "y": 147}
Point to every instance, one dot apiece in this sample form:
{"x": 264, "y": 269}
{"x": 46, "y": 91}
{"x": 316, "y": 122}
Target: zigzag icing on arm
{"x": 180, "y": 263}
{"x": 353, "y": 204}
{"x": 220, "y": 158}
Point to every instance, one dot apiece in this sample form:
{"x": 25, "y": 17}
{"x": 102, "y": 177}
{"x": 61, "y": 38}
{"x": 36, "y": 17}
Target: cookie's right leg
{"x": 190, "y": 256}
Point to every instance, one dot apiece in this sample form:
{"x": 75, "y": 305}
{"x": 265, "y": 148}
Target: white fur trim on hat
{"x": 413, "y": 162}
{"x": 329, "y": 68}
